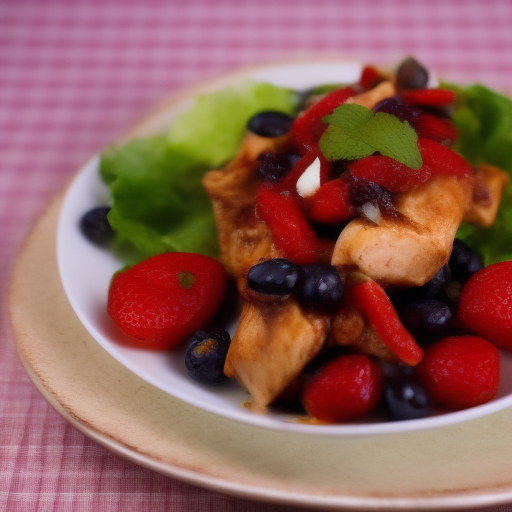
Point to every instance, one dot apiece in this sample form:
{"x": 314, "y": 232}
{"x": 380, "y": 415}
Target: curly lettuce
{"x": 158, "y": 201}
{"x": 484, "y": 120}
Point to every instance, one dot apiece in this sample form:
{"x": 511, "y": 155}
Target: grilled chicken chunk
{"x": 244, "y": 239}
{"x": 490, "y": 181}
{"x": 272, "y": 344}
{"x": 273, "y": 340}
{"x": 407, "y": 252}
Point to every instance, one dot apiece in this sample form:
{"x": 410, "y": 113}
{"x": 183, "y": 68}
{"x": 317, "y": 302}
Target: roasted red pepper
{"x": 331, "y": 203}
{"x": 370, "y": 77}
{"x": 371, "y": 298}
{"x": 388, "y": 173}
{"x": 442, "y": 160}
{"x": 441, "y": 130}
{"x": 436, "y": 98}
{"x": 308, "y": 127}
{"x": 284, "y": 215}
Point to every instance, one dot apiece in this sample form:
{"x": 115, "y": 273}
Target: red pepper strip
{"x": 370, "y": 77}
{"x": 436, "y": 128}
{"x": 284, "y": 215}
{"x": 442, "y": 160}
{"x": 290, "y": 180}
{"x": 371, "y": 298}
{"x": 331, "y": 204}
{"x": 427, "y": 97}
{"x": 308, "y": 126}
{"x": 388, "y": 173}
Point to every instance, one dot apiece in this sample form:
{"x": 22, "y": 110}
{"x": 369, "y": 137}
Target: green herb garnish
{"x": 355, "y": 132}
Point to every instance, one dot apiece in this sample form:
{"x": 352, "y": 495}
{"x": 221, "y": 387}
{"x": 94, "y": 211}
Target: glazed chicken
{"x": 273, "y": 341}
{"x": 276, "y": 337}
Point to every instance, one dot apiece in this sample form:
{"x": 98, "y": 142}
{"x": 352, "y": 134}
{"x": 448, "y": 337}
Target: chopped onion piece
{"x": 309, "y": 181}
{"x": 371, "y": 212}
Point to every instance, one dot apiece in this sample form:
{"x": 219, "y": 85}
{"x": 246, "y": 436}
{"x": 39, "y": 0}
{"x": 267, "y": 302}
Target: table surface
{"x": 75, "y": 75}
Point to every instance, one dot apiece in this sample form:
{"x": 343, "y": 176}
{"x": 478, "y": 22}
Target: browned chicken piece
{"x": 243, "y": 238}
{"x": 272, "y": 344}
{"x": 490, "y": 181}
{"x": 273, "y": 340}
{"x": 407, "y": 252}
{"x": 370, "y": 98}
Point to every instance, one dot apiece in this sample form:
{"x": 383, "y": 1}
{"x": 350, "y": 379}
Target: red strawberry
{"x": 460, "y": 372}
{"x": 343, "y": 390}
{"x": 485, "y": 305}
{"x": 164, "y": 299}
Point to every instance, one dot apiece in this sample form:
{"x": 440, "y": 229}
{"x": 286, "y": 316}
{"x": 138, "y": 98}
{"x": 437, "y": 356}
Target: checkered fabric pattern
{"x": 75, "y": 74}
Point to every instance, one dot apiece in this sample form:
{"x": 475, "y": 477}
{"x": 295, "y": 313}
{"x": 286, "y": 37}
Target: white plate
{"x": 85, "y": 271}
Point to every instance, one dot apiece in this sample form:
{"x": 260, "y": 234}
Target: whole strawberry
{"x": 345, "y": 389}
{"x": 460, "y": 371}
{"x": 162, "y": 300}
{"x": 485, "y": 305}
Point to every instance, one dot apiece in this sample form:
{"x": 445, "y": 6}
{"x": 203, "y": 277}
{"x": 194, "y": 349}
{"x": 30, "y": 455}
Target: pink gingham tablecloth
{"x": 75, "y": 74}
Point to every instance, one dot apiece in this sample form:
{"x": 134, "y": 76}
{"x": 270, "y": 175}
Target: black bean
{"x": 273, "y": 277}
{"x": 411, "y": 75}
{"x": 464, "y": 262}
{"x": 95, "y": 227}
{"x": 270, "y": 123}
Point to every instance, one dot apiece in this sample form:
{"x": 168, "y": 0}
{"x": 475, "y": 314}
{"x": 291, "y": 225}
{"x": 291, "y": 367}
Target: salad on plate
{"x": 360, "y": 231}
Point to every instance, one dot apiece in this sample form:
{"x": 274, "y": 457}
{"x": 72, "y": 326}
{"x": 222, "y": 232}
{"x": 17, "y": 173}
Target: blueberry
{"x": 95, "y": 227}
{"x": 433, "y": 289}
{"x": 319, "y": 285}
{"x": 464, "y": 262}
{"x": 273, "y": 277}
{"x": 270, "y": 123}
{"x": 406, "y": 399}
{"x": 411, "y": 75}
{"x": 205, "y": 356}
{"x": 427, "y": 318}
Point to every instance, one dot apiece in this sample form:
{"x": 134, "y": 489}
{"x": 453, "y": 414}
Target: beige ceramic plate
{"x": 455, "y": 467}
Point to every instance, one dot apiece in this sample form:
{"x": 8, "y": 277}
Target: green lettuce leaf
{"x": 484, "y": 120}
{"x": 158, "y": 201}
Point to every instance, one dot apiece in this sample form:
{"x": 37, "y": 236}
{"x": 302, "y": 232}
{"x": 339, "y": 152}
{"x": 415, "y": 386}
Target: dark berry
{"x": 397, "y": 108}
{"x": 362, "y": 191}
{"x": 270, "y": 123}
{"x": 273, "y": 277}
{"x": 205, "y": 356}
{"x": 411, "y": 75}
{"x": 274, "y": 167}
{"x": 319, "y": 285}
{"x": 464, "y": 262}
{"x": 95, "y": 227}
{"x": 427, "y": 318}
{"x": 406, "y": 399}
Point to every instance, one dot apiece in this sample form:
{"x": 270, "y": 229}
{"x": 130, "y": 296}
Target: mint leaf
{"x": 355, "y": 132}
